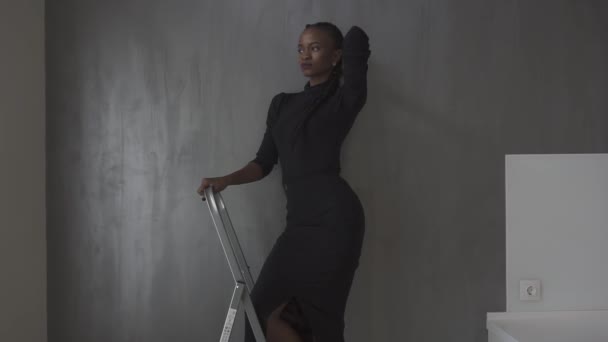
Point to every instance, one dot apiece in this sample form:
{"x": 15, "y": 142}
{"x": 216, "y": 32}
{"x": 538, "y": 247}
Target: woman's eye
{"x": 314, "y": 48}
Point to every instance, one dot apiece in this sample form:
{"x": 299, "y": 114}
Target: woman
{"x": 302, "y": 289}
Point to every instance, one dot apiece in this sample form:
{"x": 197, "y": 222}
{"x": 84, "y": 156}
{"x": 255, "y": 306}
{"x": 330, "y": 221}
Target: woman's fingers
{"x": 202, "y": 187}
{"x": 216, "y": 185}
{"x": 205, "y": 183}
{"x": 212, "y": 187}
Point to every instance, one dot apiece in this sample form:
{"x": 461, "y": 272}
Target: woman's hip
{"x": 323, "y": 201}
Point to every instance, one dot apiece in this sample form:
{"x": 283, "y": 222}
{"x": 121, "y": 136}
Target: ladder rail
{"x": 238, "y": 267}
{"x": 221, "y": 230}
{"x": 234, "y": 241}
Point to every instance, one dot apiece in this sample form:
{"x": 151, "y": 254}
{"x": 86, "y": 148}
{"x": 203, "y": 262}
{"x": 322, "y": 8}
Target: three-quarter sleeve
{"x": 267, "y": 155}
{"x": 355, "y": 53}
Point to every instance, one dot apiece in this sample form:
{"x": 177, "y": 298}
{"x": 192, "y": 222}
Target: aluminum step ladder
{"x": 238, "y": 267}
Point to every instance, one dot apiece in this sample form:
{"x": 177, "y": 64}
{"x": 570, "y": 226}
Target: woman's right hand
{"x": 217, "y": 183}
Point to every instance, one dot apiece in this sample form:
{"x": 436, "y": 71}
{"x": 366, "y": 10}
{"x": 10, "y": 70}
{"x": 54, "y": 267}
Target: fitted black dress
{"x": 312, "y": 263}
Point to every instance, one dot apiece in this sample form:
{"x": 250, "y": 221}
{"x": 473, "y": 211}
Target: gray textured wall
{"x": 22, "y": 183}
{"x": 145, "y": 98}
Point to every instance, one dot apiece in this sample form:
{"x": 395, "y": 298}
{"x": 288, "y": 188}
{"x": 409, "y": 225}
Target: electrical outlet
{"x": 529, "y": 290}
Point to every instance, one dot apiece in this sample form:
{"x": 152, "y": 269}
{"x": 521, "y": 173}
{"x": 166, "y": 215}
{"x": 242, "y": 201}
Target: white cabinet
{"x": 551, "y": 326}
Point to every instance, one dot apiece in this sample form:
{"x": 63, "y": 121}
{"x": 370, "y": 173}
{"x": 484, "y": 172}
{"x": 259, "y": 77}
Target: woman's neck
{"x": 313, "y": 81}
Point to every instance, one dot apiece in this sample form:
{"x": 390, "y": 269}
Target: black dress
{"x": 312, "y": 263}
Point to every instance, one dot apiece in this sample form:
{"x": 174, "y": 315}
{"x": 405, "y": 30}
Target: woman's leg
{"x": 280, "y": 331}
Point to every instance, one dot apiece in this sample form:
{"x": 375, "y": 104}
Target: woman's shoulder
{"x": 278, "y": 98}
{"x": 283, "y": 97}
{"x": 275, "y": 106}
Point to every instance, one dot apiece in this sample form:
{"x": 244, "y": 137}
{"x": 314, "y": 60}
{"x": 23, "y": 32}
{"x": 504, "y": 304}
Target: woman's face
{"x": 316, "y": 53}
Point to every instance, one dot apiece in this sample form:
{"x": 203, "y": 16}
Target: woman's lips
{"x": 305, "y": 66}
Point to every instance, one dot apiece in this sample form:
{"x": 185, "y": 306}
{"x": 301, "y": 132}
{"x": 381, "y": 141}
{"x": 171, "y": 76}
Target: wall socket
{"x": 529, "y": 290}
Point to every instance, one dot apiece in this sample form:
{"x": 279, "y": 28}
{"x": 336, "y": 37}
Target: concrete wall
{"x": 556, "y": 230}
{"x": 22, "y": 182}
{"x": 145, "y": 98}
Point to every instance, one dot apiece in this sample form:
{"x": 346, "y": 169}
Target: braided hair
{"x": 332, "y": 83}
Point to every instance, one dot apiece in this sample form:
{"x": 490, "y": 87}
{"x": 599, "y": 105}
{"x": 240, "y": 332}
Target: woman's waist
{"x": 317, "y": 182}
{"x": 318, "y": 191}
{"x": 322, "y": 200}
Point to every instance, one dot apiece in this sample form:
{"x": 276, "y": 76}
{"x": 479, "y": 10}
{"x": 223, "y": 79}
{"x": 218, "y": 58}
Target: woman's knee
{"x": 278, "y": 329}
{"x": 276, "y": 313}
